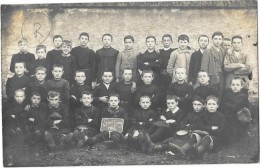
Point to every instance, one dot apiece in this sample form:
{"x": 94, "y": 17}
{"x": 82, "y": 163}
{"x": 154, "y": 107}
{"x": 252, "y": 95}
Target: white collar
{"x": 166, "y": 49}
{"x": 107, "y": 85}
{"x": 174, "y": 111}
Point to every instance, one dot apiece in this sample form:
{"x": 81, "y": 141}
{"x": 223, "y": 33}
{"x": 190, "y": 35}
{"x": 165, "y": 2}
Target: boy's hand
{"x": 146, "y": 63}
{"x": 31, "y": 119}
{"x": 89, "y": 120}
{"x": 163, "y": 118}
{"x": 27, "y": 108}
{"x": 13, "y": 116}
{"x": 104, "y": 99}
{"x": 56, "y": 122}
{"x": 190, "y": 83}
{"x": 150, "y": 119}
{"x": 170, "y": 121}
{"x": 242, "y": 65}
{"x": 74, "y": 97}
{"x": 133, "y": 88}
{"x": 93, "y": 85}
{"x": 141, "y": 123}
{"x": 10, "y": 75}
{"x": 214, "y": 127}
{"x": 140, "y": 72}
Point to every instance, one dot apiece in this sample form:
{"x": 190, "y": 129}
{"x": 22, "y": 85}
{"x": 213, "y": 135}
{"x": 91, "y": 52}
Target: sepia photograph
{"x": 129, "y": 83}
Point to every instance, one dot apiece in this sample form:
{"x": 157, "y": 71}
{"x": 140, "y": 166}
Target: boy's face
{"x": 54, "y": 101}
{"x": 180, "y": 74}
{"x": 19, "y": 97}
{"x": 107, "y": 77}
{"x": 147, "y": 78}
{"x": 113, "y": 102}
{"x": 107, "y": 41}
{"x": 83, "y": 40}
{"x": 183, "y": 44}
{"x": 212, "y": 106}
{"x": 40, "y": 75}
{"x": 150, "y": 43}
{"x": 236, "y": 85}
{"x": 57, "y": 42}
{"x": 171, "y": 104}
{"x": 237, "y": 44}
{"x": 203, "y": 42}
{"x": 19, "y": 69}
{"x": 197, "y": 106}
{"x": 226, "y": 44}
{"x": 23, "y": 46}
{"x": 217, "y": 40}
{"x": 86, "y": 99}
{"x": 167, "y": 42}
{"x": 35, "y": 100}
{"x": 203, "y": 78}
{"x": 145, "y": 103}
{"x": 128, "y": 44}
{"x": 57, "y": 72}
{"x": 66, "y": 49}
{"x": 127, "y": 75}
{"x": 41, "y": 54}
{"x": 80, "y": 77}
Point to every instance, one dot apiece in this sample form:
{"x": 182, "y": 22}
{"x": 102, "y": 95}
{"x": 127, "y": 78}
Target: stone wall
{"x": 139, "y": 22}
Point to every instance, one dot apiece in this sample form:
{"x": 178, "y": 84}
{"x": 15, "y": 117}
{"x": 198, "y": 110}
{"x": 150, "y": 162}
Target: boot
{"x": 175, "y": 149}
{"x": 81, "y": 139}
{"x": 62, "y": 144}
{"x": 149, "y": 145}
{"x": 130, "y": 141}
{"x": 140, "y": 141}
{"x": 69, "y": 138}
{"x": 49, "y": 139}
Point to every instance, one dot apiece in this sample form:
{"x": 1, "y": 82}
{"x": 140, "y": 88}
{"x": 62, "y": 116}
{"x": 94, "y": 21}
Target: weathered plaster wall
{"x": 70, "y": 22}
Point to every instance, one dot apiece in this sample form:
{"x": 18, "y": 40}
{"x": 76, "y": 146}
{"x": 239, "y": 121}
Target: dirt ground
{"x": 244, "y": 151}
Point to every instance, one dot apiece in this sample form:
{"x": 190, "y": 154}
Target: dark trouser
{"x": 88, "y": 80}
{"x": 102, "y": 136}
{"x": 56, "y": 134}
{"x": 158, "y": 134}
{"x": 221, "y": 87}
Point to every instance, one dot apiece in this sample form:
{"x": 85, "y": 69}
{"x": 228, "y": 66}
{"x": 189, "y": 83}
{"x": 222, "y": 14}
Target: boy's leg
{"x": 160, "y": 134}
{"x": 194, "y": 138}
{"x": 49, "y": 139}
{"x": 98, "y": 138}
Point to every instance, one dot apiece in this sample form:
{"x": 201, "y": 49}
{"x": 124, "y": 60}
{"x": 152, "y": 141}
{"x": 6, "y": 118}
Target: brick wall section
{"x": 69, "y": 22}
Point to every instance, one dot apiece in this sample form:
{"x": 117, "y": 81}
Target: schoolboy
{"x": 85, "y": 58}
{"x": 22, "y": 56}
{"x": 148, "y": 89}
{"x": 127, "y": 59}
{"x": 57, "y": 122}
{"x": 18, "y": 81}
{"x": 212, "y": 62}
{"x": 181, "y": 89}
{"x": 53, "y": 54}
{"x": 126, "y": 90}
{"x": 67, "y": 61}
{"x": 226, "y": 44}
{"x": 236, "y": 63}
{"x": 106, "y": 57}
{"x": 195, "y": 60}
{"x": 87, "y": 119}
{"x": 40, "y": 61}
{"x": 112, "y": 111}
{"x": 234, "y": 100}
{"x": 39, "y": 84}
{"x": 150, "y": 60}
{"x": 180, "y": 58}
{"x": 35, "y": 117}
{"x": 58, "y": 84}
{"x": 205, "y": 89}
{"x": 102, "y": 91}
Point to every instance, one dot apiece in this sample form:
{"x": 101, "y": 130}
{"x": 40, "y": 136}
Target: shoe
{"x": 149, "y": 145}
{"x": 62, "y": 141}
{"x": 193, "y": 153}
{"x": 140, "y": 141}
{"x": 49, "y": 139}
{"x": 130, "y": 141}
{"x": 175, "y": 149}
{"x": 69, "y": 138}
{"x": 90, "y": 142}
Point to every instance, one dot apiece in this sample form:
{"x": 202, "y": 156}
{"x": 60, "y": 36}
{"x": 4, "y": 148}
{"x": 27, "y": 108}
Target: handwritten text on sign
{"x": 112, "y": 124}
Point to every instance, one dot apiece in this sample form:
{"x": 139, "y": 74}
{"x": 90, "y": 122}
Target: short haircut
{"x": 38, "y": 47}
{"x": 145, "y": 96}
{"x": 57, "y": 66}
{"x": 127, "y": 68}
{"x": 113, "y": 95}
{"x": 212, "y": 97}
{"x": 129, "y": 37}
{"x": 167, "y": 35}
{"x": 35, "y": 93}
{"x": 172, "y": 97}
{"x": 237, "y": 36}
{"x": 86, "y": 93}
{"x": 108, "y": 70}
{"x": 19, "y": 62}
{"x": 57, "y": 36}
{"x": 237, "y": 78}
{"x": 67, "y": 42}
{"x": 203, "y": 35}
{"x": 84, "y": 34}
{"x": 183, "y": 37}
{"x": 53, "y": 94}
{"x": 202, "y": 71}
{"x": 226, "y": 39}
{"x": 180, "y": 68}
{"x": 107, "y": 34}
{"x": 41, "y": 68}
{"x": 80, "y": 71}
{"x": 217, "y": 34}
{"x": 19, "y": 90}
{"x": 198, "y": 98}
{"x": 147, "y": 71}
{"x": 22, "y": 40}
{"x": 150, "y": 37}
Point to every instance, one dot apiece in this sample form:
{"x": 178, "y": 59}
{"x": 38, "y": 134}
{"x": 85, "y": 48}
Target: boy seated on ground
{"x": 35, "y": 116}
{"x": 87, "y": 119}
{"x": 112, "y": 111}
{"x": 235, "y": 101}
{"x": 57, "y": 122}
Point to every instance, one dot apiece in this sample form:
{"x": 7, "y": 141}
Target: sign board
{"x": 112, "y": 125}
